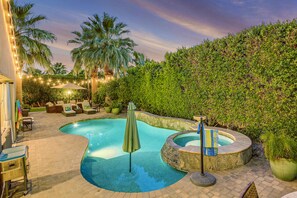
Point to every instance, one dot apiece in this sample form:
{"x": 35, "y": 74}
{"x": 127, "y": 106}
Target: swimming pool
{"x": 107, "y": 166}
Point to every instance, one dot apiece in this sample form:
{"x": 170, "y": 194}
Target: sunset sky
{"x": 158, "y": 26}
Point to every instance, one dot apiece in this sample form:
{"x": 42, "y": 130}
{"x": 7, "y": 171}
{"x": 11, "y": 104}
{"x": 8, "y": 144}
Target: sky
{"x": 159, "y": 26}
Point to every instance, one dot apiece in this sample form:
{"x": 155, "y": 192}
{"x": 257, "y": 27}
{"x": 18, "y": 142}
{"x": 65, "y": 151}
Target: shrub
{"x": 246, "y": 81}
{"x": 37, "y": 93}
{"x": 111, "y": 89}
{"x": 279, "y": 146}
{"x": 116, "y": 104}
{"x": 100, "y": 94}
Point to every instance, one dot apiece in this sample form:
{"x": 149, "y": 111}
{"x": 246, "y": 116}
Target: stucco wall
{"x": 7, "y": 67}
{"x": 6, "y": 57}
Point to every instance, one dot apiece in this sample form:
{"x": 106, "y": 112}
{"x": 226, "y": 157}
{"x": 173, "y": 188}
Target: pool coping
{"x": 241, "y": 142}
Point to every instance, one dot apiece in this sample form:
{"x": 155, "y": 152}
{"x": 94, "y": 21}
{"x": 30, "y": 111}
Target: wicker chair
{"x": 250, "y": 191}
{"x": 50, "y": 108}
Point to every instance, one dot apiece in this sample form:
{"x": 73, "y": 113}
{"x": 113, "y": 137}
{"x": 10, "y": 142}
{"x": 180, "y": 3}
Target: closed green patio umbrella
{"x": 131, "y": 139}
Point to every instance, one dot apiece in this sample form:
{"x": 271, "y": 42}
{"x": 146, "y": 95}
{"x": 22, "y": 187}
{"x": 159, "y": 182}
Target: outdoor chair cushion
{"x": 67, "y": 110}
{"x": 86, "y": 105}
{"x": 50, "y": 104}
{"x": 60, "y": 102}
{"x": 87, "y": 108}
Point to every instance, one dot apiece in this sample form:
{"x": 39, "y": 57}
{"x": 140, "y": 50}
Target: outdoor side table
{"x": 13, "y": 165}
{"x": 79, "y": 104}
{"x": 78, "y": 111}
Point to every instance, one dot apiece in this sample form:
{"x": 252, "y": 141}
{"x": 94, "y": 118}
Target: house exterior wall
{"x": 8, "y": 67}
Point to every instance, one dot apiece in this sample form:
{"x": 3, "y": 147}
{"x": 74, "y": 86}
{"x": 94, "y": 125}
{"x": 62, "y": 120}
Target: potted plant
{"x": 116, "y": 107}
{"x": 280, "y": 150}
{"x": 107, "y": 108}
{"x": 25, "y": 110}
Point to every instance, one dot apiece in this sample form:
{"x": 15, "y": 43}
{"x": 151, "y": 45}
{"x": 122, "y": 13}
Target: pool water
{"x": 107, "y": 166}
{"x": 194, "y": 140}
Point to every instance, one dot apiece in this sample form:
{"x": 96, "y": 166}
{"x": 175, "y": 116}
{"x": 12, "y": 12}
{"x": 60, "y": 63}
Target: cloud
{"x": 152, "y": 46}
{"x": 203, "y": 18}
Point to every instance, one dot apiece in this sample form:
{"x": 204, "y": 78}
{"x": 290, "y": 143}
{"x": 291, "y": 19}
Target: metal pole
{"x": 130, "y": 164}
{"x": 201, "y": 146}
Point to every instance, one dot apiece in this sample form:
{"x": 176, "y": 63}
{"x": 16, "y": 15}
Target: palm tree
{"x": 30, "y": 40}
{"x": 139, "y": 59}
{"x": 59, "y": 68}
{"x": 101, "y": 45}
{"x": 33, "y": 71}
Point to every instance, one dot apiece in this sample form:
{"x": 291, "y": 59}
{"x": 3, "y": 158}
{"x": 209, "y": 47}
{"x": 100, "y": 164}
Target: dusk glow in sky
{"x": 160, "y": 26}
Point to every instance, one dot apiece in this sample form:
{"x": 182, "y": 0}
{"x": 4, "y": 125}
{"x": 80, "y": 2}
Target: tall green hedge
{"x": 246, "y": 81}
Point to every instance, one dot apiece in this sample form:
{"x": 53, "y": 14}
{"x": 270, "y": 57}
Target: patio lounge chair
{"x": 250, "y": 191}
{"x": 87, "y": 108}
{"x": 67, "y": 110}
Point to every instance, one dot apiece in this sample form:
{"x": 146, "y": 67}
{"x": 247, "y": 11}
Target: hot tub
{"x": 182, "y": 151}
{"x": 193, "y": 139}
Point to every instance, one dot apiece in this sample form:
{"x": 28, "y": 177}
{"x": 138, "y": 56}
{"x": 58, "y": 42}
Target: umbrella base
{"x": 203, "y": 180}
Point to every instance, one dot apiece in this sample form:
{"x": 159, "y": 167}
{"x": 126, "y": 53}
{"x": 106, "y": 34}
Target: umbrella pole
{"x": 130, "y": 163}
{"x": 203, "y": 178}
{"x": 201, "y": 147}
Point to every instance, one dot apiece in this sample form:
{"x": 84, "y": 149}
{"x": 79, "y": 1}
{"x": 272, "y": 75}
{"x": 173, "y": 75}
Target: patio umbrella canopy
{"x": 131, "y": 139}
{"x": 68, "y": 86}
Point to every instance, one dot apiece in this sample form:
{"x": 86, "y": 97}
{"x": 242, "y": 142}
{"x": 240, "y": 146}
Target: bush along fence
{"x": 246, "y": 81}
{"x": 37, "y": 89}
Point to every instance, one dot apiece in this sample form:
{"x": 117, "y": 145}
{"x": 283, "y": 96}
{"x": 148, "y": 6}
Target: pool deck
{"x": 55, "y": 168}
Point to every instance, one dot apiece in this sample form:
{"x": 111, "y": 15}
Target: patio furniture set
{"x": 72, "y": 108}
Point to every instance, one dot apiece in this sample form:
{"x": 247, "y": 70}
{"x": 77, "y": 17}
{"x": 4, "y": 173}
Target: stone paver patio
{"x": 55, "y": 160}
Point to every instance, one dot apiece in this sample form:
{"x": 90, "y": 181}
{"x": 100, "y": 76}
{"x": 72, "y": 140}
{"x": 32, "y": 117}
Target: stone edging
{"x": 178, "y": 124}
{"x": 188, "y": 158}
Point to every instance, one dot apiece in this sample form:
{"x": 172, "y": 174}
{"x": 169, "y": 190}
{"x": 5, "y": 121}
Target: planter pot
{"x": 115, "y": 111}
{"x": 25, "y": 112}
{"x": 107, "y": 109}
{"x": 284, "y": 169}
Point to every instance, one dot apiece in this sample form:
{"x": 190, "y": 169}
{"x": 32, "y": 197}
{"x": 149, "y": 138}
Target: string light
{"x": 52, "y": 82}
